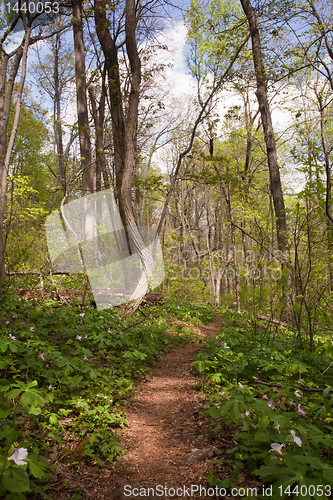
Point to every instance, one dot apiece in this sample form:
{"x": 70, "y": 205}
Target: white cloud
{"x": 177, "y": 75}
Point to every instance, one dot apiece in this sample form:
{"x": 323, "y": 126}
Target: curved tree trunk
{"x": 125, "y": 199}
{"x": 125, "y": 134}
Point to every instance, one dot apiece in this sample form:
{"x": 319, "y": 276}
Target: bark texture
{"x": 261, "y": 93}
{"x": 110, "y": 51}
{"x": 6, "y": 92}
{"x": 57, "y": 115}
{"x": 81, "y": 98}
{"x": 124, "y": 128}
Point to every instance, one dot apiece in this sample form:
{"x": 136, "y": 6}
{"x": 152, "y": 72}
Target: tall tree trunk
{"x": 219, "y": 276}
{"x": 81, "y": 98}
{"x": 181, "y": 212}
{"x": 227, "y": 196}
{"x": 57, "y": 116}
{"x": 131, "y": 158}
{"x": 261, "y": 93}
{"x": 328, "y": 200}
{"x": 6, "y": 92}
{"x": 99, "y": 145}
{"x": 101, "y": 164}
{"x": 125, "y": 133}
{"x": 209, "y": 250}
{"x": 110, "y": 51}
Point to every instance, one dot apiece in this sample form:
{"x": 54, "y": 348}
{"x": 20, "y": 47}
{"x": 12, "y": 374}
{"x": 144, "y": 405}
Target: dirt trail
{"x": 165, "y": 423}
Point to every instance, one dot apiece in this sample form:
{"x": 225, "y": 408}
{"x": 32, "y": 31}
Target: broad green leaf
{"x": 32, "y": 384}
{"x": 261, "y": 437}
{"x": 53, "y": 419}
{"x": 36, "y": 466}
{"x": 15, "y": 480}
{"x": 32, "y": 398}
{"x": 13, "y": 393}
{"x": 263, "y": 408}
{"x": 35, "y": 470}
{"x": 14, "y": 347}
{"x": 214, "y": 413}
{"x": 4, "y": 385}
{"x": 314, "y": 462}
{"x": 4, "y": 410}
{"x": 268, "y": 471}
{"x": 33, "y": 410}
{"x": 235, "y": 412}
{"x": 328, "y": 475}
{"x": 263, "y": 422}
{"x": 3, "y": 346}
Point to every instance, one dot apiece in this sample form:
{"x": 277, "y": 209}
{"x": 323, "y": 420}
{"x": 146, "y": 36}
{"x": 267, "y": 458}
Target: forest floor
{"x": 165, "y": 424}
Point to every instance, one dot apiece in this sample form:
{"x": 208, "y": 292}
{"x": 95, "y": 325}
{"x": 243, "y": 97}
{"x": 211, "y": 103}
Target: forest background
{"x": 227, "y": 227}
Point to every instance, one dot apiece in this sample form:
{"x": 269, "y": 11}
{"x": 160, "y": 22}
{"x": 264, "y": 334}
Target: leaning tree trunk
{"x": 261, "y": 93}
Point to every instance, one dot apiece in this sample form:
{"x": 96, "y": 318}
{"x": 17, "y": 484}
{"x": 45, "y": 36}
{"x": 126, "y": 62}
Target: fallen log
{"x": 272, "y": 320}
{"x": 38, "y": 273}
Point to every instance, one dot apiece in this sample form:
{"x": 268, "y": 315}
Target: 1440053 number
{"x": 33, "y": 7}
{"x": 319, "y": 490}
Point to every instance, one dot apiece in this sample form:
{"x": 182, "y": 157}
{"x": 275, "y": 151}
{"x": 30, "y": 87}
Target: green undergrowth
{"x": 284, "y": 429}
{"x": 65, "y": 377}
{"x": 194, "y": 313}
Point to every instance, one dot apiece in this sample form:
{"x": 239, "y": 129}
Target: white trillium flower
{"x": 19, "y": 455}
{"x": 296, "y": 439}
{"x": 277, "y": 447}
